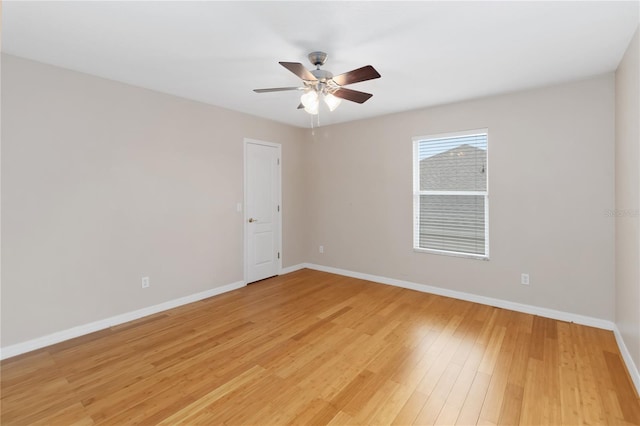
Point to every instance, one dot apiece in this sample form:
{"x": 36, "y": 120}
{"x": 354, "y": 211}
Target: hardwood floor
{"x": 316, "y": 348}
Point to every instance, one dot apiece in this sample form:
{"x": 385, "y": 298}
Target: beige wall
{"x": 628, "y": 199}
{"x": 551, "y": 178}
{"x": 103, "y": 183}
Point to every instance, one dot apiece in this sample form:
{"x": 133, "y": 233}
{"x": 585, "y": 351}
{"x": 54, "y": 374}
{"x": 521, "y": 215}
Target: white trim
{"x": 81, "y": 330}
{"x": 452, "y": 253}
{"x": 293, "y": 268}
{"x": 449, "y": 135}
{"x": 499, "y": 303}
{"x": 425, "y": 192}
{"x": 626, "y": 356}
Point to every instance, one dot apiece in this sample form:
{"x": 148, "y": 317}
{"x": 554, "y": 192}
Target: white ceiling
{"x": 428, "y": 53}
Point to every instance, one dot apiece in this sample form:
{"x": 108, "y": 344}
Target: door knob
{"x": 251, "y": 220}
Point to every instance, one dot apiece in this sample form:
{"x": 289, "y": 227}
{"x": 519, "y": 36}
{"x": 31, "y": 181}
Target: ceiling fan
{"x": 319, "y": 84}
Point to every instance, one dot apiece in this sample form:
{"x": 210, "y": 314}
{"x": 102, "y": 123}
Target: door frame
{"x": 245, "y": 234}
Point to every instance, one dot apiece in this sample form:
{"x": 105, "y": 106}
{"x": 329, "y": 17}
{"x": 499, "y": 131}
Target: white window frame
{"x": 417, "y": 193}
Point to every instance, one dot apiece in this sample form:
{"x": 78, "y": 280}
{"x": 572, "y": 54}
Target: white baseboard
{"x": 293, "y": 268}
{"x": 81, "y": 330}
{"x": 505, "y": 304}
{"x": 626, "y": 356}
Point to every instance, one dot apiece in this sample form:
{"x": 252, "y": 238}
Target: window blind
{"x": 450, "y": 193}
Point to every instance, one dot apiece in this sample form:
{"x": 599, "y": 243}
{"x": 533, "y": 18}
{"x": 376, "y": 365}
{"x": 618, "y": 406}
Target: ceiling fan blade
{"x": 300, "y": 106}
{"x": 361, "y": 74}
{"x": 275, "y": 89}
{"x": 298, "y": 69}
{"x": 352, "y": 95}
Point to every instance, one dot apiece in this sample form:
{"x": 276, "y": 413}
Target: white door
{"x": 262, "y": 210}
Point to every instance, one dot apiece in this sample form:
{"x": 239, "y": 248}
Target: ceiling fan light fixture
{"x": 309, "y": 99}
{"x": 312, "y": 109}
{"x": 332, "y": 101}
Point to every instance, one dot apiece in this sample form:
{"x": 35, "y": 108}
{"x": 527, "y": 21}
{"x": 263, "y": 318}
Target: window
{"x": 450, "y": 197}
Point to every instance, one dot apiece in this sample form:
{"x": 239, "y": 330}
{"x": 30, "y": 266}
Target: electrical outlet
{"x": 321, "y": 249}
{"x": 524, "y": 279}
{"x": 145, "y": 282}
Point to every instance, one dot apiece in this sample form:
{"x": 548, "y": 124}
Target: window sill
{"x": 452, "y": 253}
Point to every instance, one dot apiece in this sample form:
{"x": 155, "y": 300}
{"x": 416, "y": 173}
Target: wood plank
{"x": 410, "y": 409}
{"x": 184, "y": 414}
{"x": 470, "y": 411}
{"x": 438, "y": 396}
{"x": 512, "y": 405}
{"x": 498, "y": 388}
{"x": 623, "y": 388}
{"x": 460, "y": 390}
{"x": 389, "y": 410}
